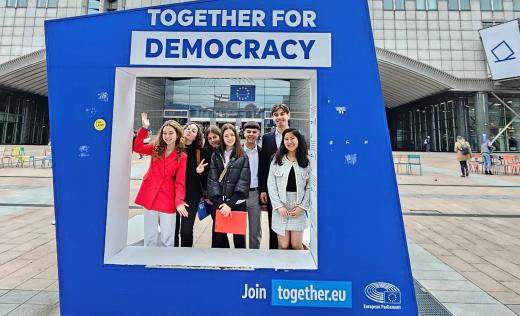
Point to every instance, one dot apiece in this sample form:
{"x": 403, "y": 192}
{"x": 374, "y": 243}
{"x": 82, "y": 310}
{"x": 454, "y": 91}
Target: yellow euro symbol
{"x": 100, "y": 124}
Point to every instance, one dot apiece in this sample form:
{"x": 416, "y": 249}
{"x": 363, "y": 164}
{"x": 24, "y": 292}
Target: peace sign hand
{"x": 201, "y": 166}
{"x": 144, "y": 120}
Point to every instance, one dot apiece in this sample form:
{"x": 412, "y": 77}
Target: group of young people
{"x": 186, "y": 167}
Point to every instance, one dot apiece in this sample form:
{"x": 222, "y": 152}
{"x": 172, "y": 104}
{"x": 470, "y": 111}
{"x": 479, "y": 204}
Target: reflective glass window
{"x": 516, "y": 5}
{"x": 497, "y": 5}
{"x": 485, "y": 5}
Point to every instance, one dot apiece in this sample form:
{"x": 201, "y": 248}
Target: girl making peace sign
{"x": 162, "y": 190}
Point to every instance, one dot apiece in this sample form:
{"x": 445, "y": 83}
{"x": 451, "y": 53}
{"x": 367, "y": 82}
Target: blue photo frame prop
{"x": 362, "y": 266}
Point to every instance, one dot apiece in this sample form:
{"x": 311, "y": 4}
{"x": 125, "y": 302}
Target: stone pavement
{"x": 463, "y": 235}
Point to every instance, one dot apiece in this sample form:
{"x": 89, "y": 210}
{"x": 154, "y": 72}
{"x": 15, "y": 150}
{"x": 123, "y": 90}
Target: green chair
{"x": 415, "y": 160}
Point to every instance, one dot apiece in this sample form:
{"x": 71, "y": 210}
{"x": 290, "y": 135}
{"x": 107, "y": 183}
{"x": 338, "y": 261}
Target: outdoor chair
{"x": 510, "y": 165}
{"x": 401, "y": 160}
{"x": 5, "y": 158}
{"x": 414, "y": 160}
{"x": 47, "y": 157}
{"x": 18, "y": 154}
{"x": 497, "y": 165}
{"x": 475, "y": 163}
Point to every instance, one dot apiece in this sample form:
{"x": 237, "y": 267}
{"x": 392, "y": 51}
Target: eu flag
{"x": 242, "y": 93}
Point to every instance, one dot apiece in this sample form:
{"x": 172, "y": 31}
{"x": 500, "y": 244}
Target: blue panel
{"x": 361, "y": 234}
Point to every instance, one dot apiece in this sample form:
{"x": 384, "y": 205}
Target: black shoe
{"x": 462, "y": 175}
{"x": 486, "y": 172}
{"x": 467, "y": 174}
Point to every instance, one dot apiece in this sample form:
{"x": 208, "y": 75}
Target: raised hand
{"x": 201, "y": 166}
{"x": 144, "y": 120}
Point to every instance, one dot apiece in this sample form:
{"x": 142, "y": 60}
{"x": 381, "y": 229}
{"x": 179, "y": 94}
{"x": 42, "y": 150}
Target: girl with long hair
{"x": 162, "y": 190}
{"x": 289, "y": 190}
{"x": 212, "y": 140}
{"x": 196, "y": 179}
{"x": 228, "y": 182}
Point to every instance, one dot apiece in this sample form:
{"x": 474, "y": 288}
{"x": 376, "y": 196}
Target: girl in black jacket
{"x": 195, "y": 180}
{"x": 228, "y": 182}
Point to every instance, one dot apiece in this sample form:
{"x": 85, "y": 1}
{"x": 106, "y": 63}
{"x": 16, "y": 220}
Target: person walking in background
{"x": 270, "y": 144}
{"x": 196, "y": 179}
{"x": 427, "y": 146}
{"x": 463, "y": 150}
{"x": 486, "y": 149}
{"x": 162, "y": 190}
{"x": 289, "y": 190}
{"x": 253, "y": 151}
{"x": 229, "y": 181}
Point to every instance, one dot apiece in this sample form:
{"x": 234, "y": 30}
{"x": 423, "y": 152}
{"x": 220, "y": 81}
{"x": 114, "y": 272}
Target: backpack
{"x": 464, "y": 149}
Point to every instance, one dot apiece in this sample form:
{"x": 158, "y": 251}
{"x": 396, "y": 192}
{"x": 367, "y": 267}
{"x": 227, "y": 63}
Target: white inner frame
{"x": 117, "y": 224}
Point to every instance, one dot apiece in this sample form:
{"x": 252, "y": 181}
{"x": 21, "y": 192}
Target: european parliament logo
{"x": 242, "y": 93}
{"x": 386, "y": 294}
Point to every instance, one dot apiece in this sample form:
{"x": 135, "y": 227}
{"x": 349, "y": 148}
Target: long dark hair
{"x": 213, "y": 129}
{"x": 238, "y": 151}
{"x": 160, "y": 144}
{"x": 301, "y": 150}
{"x": 200, "y": 136}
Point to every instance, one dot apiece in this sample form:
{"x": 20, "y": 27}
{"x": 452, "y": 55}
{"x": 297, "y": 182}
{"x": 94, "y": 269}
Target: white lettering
{"x": 293, "y": 18}
{"x": 258, "y": 18}
{"x": 168, "y": 17}
{"x": 154, "y": 13}
{"x": 244, "y": 18}
{"x": 200, "y": 18}
{"x": 308, "y": 18}
{"x": 229, "y": 16}
{"x": 185, "y": 18}
{"x": 277, "y": 17}
{"x": 214, "y": 16}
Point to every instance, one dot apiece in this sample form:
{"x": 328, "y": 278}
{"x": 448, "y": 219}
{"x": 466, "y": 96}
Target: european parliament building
{"x": 434, "y": 73}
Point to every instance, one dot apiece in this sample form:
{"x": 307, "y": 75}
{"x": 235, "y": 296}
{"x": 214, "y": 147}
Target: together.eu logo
{"x": 386, "y": 294}
{"x": 309, "y": 293}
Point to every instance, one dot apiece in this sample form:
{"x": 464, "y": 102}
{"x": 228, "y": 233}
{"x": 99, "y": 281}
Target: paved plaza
{"x": 463, "y": 236}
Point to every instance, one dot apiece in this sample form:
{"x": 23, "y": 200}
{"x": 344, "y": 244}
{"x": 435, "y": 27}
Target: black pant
{"x": 464, "y": 168}
{"x": 220, "y": 240}
{"x": 185, "y": 224}
{"x": 273, "y": 237}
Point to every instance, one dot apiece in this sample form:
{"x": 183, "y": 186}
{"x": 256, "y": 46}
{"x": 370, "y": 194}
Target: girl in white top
{"x": 289, "y": 190}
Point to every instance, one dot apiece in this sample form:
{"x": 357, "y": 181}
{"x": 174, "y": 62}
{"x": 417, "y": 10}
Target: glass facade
{"x": 24, "y": 119}
{"x": 445, "y": 117}
{"x": 208, "y": 101}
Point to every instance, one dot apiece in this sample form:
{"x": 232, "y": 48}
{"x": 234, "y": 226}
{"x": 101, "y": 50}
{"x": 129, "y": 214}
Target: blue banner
{"x": 242, "y": 93}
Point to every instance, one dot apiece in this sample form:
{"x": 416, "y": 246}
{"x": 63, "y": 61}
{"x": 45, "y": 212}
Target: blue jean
{"x": 487, "y": 161}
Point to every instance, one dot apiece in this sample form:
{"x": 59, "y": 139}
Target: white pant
{"x": 166, "y": 224}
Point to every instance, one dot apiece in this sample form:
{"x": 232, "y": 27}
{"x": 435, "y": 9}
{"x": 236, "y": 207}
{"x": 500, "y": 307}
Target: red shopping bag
{"x": 234, "y": 223}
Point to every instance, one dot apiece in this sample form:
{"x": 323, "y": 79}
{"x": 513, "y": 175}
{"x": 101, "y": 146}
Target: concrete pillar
{"x": 481, "y": 116}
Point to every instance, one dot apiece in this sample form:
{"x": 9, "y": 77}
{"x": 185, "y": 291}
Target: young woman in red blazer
{"x": 162, "y": 190}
